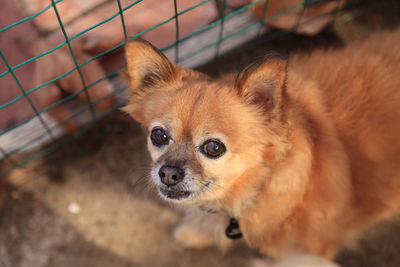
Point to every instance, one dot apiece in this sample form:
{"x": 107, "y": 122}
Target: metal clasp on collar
{"x": 233, "y": 229}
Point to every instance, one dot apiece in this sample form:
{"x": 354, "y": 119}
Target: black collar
{"x": 233, "y": 229}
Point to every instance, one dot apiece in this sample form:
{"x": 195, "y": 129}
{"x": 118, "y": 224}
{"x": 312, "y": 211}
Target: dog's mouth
{"x": 179, "y": 194}
{"x": 175, "y": 194}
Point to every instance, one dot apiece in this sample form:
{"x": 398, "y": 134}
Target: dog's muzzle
{"x": 171, "y": 177}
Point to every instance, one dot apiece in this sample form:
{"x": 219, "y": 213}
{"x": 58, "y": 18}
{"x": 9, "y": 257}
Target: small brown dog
{"x": 305, "y": 155}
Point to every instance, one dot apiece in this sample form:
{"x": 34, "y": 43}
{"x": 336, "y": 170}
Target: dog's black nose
{"x": 171, "y": 175}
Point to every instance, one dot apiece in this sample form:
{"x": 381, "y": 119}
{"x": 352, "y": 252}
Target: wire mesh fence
{"x": 198, "y": 47}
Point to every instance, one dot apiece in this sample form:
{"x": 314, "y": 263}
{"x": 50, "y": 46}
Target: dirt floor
{"x": 89, "y": 204}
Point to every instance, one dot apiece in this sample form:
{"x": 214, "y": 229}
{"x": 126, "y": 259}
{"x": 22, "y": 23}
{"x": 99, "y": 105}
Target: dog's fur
{"x": 312, "y": 146}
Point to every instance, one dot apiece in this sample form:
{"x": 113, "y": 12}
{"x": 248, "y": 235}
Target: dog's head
{"x": 207, "y": 138}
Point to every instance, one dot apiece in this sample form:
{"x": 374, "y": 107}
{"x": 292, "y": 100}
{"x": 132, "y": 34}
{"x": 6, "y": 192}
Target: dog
{"x": 302, "y": 154}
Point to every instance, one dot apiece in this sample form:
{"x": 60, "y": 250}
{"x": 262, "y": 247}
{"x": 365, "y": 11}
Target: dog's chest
{"x": 262, "y": 236}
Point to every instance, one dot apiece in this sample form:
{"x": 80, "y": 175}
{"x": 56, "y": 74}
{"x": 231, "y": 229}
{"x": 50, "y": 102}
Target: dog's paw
{"x": 261, "y": 263}
{"x": 191, "y": 237}
{"x": 301, "y": 260}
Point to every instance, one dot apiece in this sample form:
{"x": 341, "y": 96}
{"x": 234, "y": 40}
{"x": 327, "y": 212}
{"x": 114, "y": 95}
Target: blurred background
{"x": 73, "y": 168}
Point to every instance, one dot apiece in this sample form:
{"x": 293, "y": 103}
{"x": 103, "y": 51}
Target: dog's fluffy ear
{"x": 263, "y": 82}
{"x": 147, "y": 67}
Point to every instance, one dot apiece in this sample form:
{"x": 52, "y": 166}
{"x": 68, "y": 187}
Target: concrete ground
{"x": 89, "y": 203}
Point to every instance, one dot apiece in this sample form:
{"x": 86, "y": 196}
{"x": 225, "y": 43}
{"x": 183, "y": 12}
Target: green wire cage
{"x": 231, "y": 29}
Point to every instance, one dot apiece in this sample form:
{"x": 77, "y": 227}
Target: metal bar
{"x": 122, "y": 19}
{"x": 300, "y": 15}
{"x": 221, "y": 30}
{"x": 95, "y": 57}
{"x": 27, "y": 97}
{"x": 70, "y": 39}
{"x": 65, "y": 99}
{"x": 76, "y": 114}
{"x": 55, "y": 146}
{"x": 28, "y": 18}
{"x": 241, "y": 31}
{"x": 74, "y": 58}
{"x": 176, "y": 33}
{"x": 211, "y": 25}
{"x": 5, "y": 156}
{"x": 264, "y": 12}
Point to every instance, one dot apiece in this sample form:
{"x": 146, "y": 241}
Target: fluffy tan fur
{"x": 313, "y": 147}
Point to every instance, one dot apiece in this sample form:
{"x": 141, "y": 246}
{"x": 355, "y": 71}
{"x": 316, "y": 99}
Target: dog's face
{"x": 207, "y": 138}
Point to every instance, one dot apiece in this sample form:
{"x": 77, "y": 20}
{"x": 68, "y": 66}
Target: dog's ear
{"x": 263, "y": 82}
{"x": 147, "y": 67}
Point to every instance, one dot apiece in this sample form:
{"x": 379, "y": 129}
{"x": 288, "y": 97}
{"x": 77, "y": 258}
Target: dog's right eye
{"x": 159, "y": 137}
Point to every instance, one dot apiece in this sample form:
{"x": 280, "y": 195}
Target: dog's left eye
{"x": 159, "y": 137}
{"x": 213, "y": 148}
